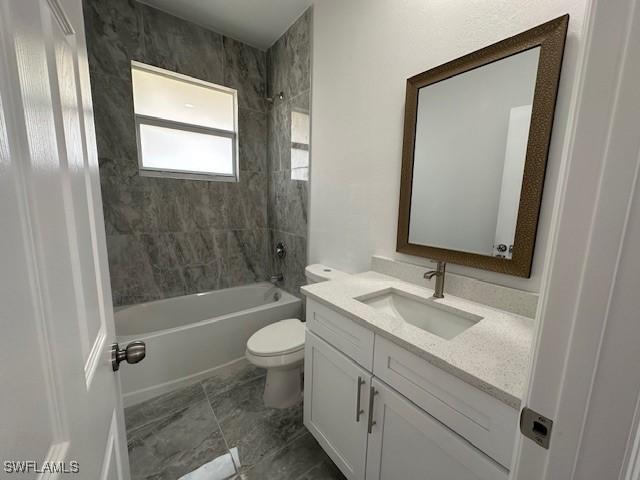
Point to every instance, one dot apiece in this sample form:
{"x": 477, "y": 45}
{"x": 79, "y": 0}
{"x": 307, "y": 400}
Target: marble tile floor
{"x": 177, "y": 433}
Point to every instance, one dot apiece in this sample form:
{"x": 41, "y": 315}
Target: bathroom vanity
{"x": 400, "y": 385}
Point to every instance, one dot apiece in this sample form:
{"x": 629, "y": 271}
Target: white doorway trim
{"x": 583, "y": 374}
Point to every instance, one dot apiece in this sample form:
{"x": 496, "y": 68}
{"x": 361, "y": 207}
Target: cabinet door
{"x": 336, "y": 392}
{"x": 408, "y": 443}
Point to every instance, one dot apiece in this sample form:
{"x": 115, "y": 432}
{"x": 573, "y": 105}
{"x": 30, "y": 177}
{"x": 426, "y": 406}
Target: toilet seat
{"x": 280, "y": 339}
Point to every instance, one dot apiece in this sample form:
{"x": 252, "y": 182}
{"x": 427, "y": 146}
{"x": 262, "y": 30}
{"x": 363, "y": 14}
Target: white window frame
{"x": 187, "y": 127}
{"x": 301, "y": 146}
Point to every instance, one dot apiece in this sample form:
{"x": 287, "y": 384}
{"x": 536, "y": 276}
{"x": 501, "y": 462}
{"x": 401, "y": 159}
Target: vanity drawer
{"x": 484, "y": 421}
{"x": 352, "y": 339}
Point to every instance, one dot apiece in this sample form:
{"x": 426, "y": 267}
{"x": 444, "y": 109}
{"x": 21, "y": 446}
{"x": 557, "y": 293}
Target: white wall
{"x": 363, "y": 52}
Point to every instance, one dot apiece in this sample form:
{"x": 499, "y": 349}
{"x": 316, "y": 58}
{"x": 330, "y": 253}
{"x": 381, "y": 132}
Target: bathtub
{"x": 189, "y": 337}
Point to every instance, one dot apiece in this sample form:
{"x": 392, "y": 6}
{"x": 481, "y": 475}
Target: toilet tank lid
{"x": 321, "y": 273}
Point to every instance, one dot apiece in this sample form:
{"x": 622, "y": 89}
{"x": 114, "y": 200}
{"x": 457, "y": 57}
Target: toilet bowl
{"x": 279, "y": 348}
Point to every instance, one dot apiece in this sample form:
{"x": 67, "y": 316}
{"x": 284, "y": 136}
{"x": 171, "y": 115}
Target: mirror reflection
{"x": 469, "y": 154}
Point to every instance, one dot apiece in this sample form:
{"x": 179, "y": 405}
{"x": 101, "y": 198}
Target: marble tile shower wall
{"x": 289, "y": 72}
{"x": 169, "y": 237}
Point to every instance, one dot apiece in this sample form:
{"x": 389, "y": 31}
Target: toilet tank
{"x": 321, "y": 273}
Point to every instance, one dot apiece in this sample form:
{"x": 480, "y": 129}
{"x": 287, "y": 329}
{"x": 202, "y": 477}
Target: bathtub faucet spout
{"x": 276, "y": 278}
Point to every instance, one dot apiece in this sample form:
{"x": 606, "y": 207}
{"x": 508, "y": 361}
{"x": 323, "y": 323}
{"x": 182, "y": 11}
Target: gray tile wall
{"x": 288, "y": 71}
{"x": 168, "y": 237}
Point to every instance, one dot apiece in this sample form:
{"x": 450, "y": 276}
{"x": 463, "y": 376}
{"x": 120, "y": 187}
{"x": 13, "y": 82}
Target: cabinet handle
{"x": 372, "y": 393}
{"x": 359, "y": 411}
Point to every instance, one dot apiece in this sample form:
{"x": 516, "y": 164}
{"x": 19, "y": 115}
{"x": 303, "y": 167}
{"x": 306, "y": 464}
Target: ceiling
{"x": 256, "y": 22}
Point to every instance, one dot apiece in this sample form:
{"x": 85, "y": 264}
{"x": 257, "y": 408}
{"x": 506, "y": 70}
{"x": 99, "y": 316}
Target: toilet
{"x": 279, "y": 348}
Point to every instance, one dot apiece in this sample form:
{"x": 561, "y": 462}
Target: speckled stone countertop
{"x": 492, "y": 355}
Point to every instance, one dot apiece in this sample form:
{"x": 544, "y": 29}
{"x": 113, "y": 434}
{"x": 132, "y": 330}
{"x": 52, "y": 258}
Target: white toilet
{"x": 279, "y": 348}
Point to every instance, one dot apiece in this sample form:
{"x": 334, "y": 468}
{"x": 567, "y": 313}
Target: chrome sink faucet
{"x": 439, "y": 274}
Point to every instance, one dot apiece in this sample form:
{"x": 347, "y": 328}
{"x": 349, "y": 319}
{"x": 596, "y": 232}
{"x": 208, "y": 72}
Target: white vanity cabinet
{"x": 387, "y": 415}
{"x": 408, "y": 443}
{"x": 335, "y": 405}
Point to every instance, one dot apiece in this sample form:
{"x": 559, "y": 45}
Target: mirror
{"x": 477, "y": 133}
{"x": 472, "y": 207}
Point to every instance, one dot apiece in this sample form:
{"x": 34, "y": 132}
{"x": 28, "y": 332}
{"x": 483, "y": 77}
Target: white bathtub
{"x": 189, "y": 337}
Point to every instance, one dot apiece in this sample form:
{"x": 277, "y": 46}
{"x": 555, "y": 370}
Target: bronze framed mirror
{"x": 476, "y": 139}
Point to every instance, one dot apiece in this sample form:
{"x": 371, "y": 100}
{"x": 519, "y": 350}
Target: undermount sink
{"x": 441, "y": 320}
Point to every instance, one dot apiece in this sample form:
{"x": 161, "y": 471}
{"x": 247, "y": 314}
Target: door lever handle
{"x": 132, "y": 353}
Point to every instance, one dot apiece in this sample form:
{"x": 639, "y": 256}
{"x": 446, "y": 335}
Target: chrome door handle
{"x": 132, "y": 353}
{"x": 359, "y": 411}
{"x": 372, "y": 393}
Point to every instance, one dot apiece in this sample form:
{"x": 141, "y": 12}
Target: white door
{"x": 60, "y": 406}
{"x": 335, "y": 405}
{"x": 408, "y": 443}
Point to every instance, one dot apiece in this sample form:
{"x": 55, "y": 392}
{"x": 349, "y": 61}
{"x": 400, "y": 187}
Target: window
{"x": 299, "y": 145}
{"x": 186, "y": 128}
